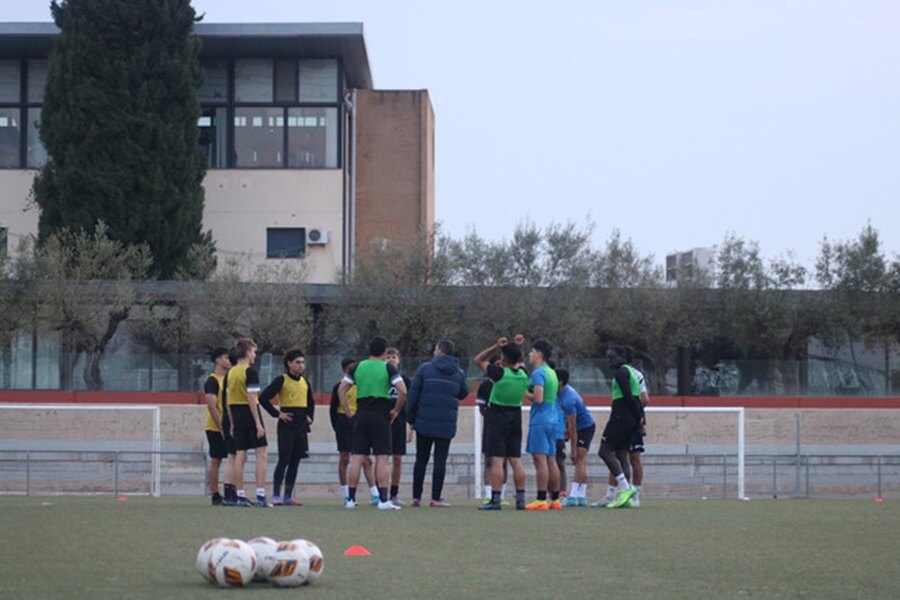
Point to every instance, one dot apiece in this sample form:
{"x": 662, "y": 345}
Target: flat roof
{"x": 252, "y": 40}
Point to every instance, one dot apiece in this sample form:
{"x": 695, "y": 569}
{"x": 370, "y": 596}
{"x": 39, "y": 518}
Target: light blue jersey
{"x": 571, "y": 403}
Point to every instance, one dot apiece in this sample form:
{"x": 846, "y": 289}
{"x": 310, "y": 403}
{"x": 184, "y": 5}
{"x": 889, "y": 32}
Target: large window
{"x": 214, "y": 88}
{"x": 10, "y": 139}
{"x": 21, "y": 94}
{"x": 10, "y": 86}
{"x": 213, "y": 124}
{"x": 271, "y": 113}
{"x": 312, "y": 138}
{"x": 259, "y": 137}
{"x": 35, "y": 153}
{"x": 285, "y": 242}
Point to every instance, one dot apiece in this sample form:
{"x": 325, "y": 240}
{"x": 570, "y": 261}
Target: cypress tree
{"x": 120, "y": 126}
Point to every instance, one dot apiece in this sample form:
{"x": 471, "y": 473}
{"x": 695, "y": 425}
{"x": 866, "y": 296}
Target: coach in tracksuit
{"x": 431, "y": 410}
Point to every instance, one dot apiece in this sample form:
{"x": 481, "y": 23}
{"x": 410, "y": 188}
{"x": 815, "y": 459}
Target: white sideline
{"x": 479, "y": 468}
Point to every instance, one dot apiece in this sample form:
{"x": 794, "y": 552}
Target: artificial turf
{"x": 97, "y": 547}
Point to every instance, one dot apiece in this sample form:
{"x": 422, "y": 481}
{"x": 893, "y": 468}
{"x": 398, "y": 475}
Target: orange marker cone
{"x": 356, "y": 551}
{"x": 879, "y": 500}
{"x": 123, "y": 499}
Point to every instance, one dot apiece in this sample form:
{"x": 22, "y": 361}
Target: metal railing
{"x": 39, "y": 472}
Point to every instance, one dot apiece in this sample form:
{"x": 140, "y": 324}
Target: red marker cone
{"x": 356, "y": 551}
{"x": 879, "y": 500}
{"x": 123, "y": 499}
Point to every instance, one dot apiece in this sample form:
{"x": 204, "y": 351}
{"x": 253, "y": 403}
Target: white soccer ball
{"x": 290, "y": 567}
{"x": 264, "y": 547}
{"x": 203, "y": 558}
{"x": 316, "y": 559}
{"x": 232, "y": 563}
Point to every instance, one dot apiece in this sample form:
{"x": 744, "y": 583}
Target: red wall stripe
{"x": 793, "y": 402}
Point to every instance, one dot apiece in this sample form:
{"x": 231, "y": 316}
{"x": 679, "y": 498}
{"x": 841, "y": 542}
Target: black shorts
{"x": 343, "y": 433}
{"x": 245, "y": 430}
{"x": 585, "y": 436}
{"x": 372, "y": 430}
{"x": 618, "y": 432}
{"x": 503, "y": 431}
{"x": 561, "y": 449}
{"x": 217, "y": 447}
{"x": 637, "y": 442}
{"x": 293, "y": 442}
{"x": 398, "y": 436}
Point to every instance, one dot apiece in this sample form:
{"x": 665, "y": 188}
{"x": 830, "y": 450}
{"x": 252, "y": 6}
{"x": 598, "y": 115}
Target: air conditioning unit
{"x": 316, "y": 237}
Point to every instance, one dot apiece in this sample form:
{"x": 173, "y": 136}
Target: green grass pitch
{"x": 99, "y": 547}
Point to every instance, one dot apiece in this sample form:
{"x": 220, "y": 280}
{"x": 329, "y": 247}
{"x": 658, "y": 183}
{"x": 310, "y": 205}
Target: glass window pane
{"x": 253, "y": 80}
{"x": 9, "y": 138}
{"x": 37, "y": 79}
{"x": 215, "y": 81}
{"x": 36, "y": 154}
{"x": 213, "y": 130}
{"x": 259, "y": 137}
{"x": 286, "y": 81}
{"x": 285, "y": 242}
{"x": 318, "y": 80}
{"x": 312, "y": 138}
{"x": 10, "y": 76}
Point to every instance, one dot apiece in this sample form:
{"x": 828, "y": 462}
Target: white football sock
{"x": 622, "y": 481}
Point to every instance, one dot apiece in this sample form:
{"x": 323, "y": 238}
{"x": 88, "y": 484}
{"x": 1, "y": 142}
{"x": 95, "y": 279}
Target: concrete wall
{"x": 17, "y": 214}
{"x": 684, "y": 454}
{"x": 767, "y": 431}
{"x": 242, "y": 203}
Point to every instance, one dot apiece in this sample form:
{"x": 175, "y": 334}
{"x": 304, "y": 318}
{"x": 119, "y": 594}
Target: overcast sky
{"x": 675, "y": 121}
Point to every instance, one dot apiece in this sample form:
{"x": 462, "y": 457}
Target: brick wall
{"x": 395, "y": 166}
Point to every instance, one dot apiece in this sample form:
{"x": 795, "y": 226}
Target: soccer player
{"x": 637, "y": 443}
{"x": 482, "y": 401}
{"x": 542, "y": 425}
{"x": 372, "y": 421}
{"x": 230, "y": 498}
{"x": 212, "y": 390}
{"x": 343, "y": 433}
{"x": 246, "y": 421}
{"x": 624, "y": 419}
{"x": 298, "y": 409}
{"x": 399, "y": 433}
{"x": 503, "y": 421}
{"x": 580, "y": 427}
{"x": 562, "y": 434}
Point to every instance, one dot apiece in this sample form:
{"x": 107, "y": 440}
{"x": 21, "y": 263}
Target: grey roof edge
{"x": 28, "y": 28}
{"x": 213, "y": 29}
{"x": 279, "y": 29}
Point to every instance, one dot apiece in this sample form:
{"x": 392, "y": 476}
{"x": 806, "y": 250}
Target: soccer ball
{"x": 290, "y": 567}
{"x": 264, "y": 547}
{"x": 203, "y": 558}
{"x": 232, "y": 563}
{"x": 316, "y": 559}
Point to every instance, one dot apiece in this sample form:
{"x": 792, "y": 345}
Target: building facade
{"x": 305, "y": 159}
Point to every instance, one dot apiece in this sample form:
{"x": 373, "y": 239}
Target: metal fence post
{"x": 116, "y": 471}
{"x": 797, "y": 458}
{"x": 775, "y": 477}
{"x": 724, "y": 475}
{"x": 807, "y": 475}
{"x": 28, "y": 472}
{"x": 879, "y": 476}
